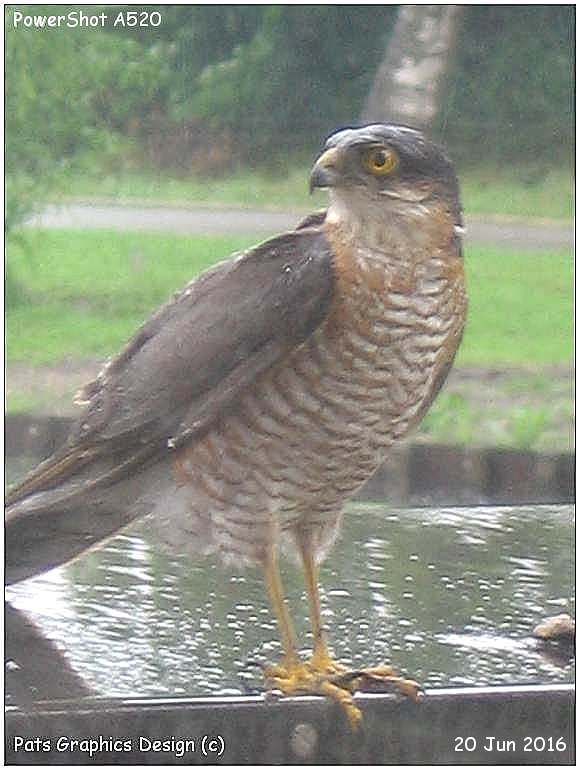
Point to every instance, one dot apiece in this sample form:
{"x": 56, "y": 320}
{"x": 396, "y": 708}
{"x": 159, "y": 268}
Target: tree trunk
{"x": 408, "y": 84}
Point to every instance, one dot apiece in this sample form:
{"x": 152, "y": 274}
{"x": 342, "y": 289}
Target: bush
{"x": 511, "y": 91}
{"x": 70, "y": 99}
{"x": 305, "y": 70}
{"x": 298, "y": 72}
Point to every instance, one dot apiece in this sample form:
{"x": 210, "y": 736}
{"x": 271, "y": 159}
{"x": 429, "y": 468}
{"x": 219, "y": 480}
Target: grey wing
{"x": 187, "y": 365}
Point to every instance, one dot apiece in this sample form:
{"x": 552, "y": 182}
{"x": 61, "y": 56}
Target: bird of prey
{"x": 245, "y": 412}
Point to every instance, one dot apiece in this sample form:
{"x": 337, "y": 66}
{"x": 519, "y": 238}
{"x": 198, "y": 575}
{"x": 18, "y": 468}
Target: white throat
{"x": 383, "y": 222}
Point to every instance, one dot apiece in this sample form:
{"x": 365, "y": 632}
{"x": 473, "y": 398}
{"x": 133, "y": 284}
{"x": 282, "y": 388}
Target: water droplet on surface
{"x": 166, "y": 626}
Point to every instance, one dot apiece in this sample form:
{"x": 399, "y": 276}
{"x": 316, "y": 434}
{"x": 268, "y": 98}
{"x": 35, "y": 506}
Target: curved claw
{"x": 325, "y": 677}
{"x": 380, "y": 677}
{"x": 345, "y": 700}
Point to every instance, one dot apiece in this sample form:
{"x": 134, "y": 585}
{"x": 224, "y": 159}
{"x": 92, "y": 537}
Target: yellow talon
{"x": 322, "y": 661}
{"x": 345, "y": 699}
{"x": 300, "y": 678}
{"x": 321, "y": 674}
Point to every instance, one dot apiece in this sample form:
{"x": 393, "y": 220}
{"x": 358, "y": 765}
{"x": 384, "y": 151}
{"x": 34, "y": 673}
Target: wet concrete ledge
{"x": 420, "y": 474}
{"x": 524, "y": 725}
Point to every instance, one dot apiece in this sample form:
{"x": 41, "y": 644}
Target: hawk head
{"x": 392, "y": 166}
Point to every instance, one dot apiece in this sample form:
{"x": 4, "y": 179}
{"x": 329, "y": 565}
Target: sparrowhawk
{"x": 244, "y": 412}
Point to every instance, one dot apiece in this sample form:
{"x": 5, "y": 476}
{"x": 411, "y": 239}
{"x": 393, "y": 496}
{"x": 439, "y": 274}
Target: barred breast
{"x": 305, "y": 437}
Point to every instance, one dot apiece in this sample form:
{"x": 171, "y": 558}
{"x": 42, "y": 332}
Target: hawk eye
{"x": 380, "y": 160}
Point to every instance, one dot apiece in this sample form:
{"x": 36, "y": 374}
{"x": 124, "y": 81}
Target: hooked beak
{"x": 325, "y": 171}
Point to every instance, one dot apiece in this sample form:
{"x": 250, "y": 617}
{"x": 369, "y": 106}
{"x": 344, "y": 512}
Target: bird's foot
{"x": 321, "y": 675}
{"x": 315, "y": 677}
{"x": 379, "y": 679}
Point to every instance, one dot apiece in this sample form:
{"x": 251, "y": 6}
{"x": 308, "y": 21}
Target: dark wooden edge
{"x": 494, "y": 725}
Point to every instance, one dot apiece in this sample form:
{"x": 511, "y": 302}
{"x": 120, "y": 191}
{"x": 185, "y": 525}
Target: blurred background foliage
{"x": 227, "y": 105}
{"x": 511, "y": 91}
{"x": 213, "y": 86}
{"x": 304, "y": 71}
{"x": 71, "y": 100}
{"x": 279, "y": 77}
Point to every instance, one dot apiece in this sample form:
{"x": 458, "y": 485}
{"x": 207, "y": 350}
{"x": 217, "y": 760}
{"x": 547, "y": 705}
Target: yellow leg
{"x": 293, "y": 676}
{"x": 276, "y": 593}
{"x": 321, "y": 659}
{"x": 321, "y": 674}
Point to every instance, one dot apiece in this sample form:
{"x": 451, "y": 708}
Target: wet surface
{"x": 450, "y": 596}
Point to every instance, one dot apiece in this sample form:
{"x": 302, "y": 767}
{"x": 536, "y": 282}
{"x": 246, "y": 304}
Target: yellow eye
{"x": 381, "y": 161}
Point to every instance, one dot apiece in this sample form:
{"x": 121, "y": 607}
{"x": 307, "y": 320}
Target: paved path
{"x": 232, "y": 221}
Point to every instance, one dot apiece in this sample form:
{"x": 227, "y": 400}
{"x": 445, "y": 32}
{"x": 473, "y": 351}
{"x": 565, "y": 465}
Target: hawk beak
{"x": 325, "y": 171}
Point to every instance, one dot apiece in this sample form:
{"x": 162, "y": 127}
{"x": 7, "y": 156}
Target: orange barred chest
{"x": 314, "y": 428}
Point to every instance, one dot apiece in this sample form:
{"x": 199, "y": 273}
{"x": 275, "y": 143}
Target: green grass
{"x": 483, "y": 413}
{"x": 504, "y": 193}
{"x": 89, "y": 290}
{"x": 518, "y": 194}
{"x": 520, "y": 307}
{"x": 247, "y": 189}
